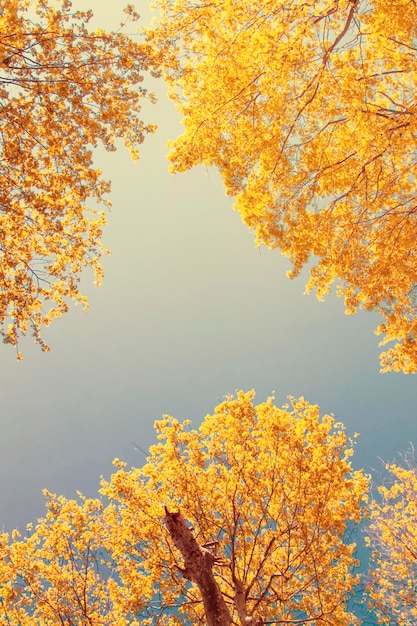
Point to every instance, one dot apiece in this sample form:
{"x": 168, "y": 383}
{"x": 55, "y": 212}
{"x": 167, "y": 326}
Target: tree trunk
{"x": 198, "y": 563}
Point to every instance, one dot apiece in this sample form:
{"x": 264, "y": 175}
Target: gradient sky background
{"x": 189, "y": 311}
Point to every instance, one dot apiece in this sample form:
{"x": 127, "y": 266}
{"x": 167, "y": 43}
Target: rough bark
{"x": 198, "y": 568}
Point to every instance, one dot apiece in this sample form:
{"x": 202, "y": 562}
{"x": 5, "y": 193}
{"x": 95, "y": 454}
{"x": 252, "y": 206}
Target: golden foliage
{"x": 269, "y": 490}
{"x": 64, "y": 88}
{"x": 392, "y": 537}
{"x": 308, "y": 109}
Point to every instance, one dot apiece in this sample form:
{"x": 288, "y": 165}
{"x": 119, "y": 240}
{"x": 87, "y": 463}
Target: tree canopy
{"x": 64, "y": 88}
{"x": 308, "y": 110}
{"x": 248, "y": 520}
{"x": 392, "y": 538}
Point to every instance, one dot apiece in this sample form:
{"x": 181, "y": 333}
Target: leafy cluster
{"x": 269, "y": 491}
{"x": 393, "y": 541}
{"x": 63, "y": 89}
{"x": 308, "y": 111}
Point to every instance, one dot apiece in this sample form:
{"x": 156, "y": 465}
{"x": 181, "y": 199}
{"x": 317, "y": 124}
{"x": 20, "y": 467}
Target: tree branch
{"x": 241, "y": 608}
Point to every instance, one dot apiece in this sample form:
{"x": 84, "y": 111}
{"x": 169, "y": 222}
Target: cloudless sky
{"x": 189, "y": 311}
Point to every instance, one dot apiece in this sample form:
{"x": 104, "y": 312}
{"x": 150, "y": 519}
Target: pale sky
{"x": 189, "y": 311}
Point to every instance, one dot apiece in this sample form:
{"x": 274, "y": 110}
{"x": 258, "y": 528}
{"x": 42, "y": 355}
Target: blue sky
{"x": 189, "y": 311}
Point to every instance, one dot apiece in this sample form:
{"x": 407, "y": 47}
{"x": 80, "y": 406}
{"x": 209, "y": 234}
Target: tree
{"x": 63, "y": 89}
{"x": 392, "y": 537}
{"x": 248, "y": 520}
{"x": 308, "y": 110}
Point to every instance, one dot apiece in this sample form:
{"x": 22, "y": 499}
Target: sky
{"x": 189, "y": 310}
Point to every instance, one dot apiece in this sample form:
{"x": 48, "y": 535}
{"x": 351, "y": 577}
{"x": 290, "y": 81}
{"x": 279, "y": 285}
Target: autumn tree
{"x": 308, "y": 110}
{"x": 392, "y": 538}
{"x": 247, "y": 520}
{"x": 64, "y": 89}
